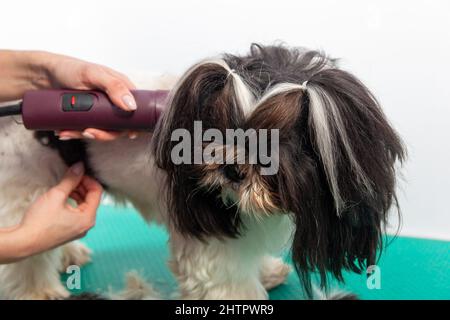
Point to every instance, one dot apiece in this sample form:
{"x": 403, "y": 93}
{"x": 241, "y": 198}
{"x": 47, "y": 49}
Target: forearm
{"x": 21, "y": 71}
{"x": 14, "y": 245}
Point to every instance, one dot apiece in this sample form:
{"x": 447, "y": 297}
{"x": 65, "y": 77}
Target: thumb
{"x": 117, "y": 89}
{"x": 71, "y": 179}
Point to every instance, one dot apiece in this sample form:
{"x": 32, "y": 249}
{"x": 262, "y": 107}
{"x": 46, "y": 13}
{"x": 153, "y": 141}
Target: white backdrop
{"x": 400, "y": 49}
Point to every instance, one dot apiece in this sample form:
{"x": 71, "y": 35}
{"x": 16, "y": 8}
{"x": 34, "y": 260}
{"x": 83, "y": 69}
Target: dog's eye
{"x": 233, "y": 173}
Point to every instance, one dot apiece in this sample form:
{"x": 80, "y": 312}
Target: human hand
{"x": 68, "y": 72}
{"x": 51, "y": 221}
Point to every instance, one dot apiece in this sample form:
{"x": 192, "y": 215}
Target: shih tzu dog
{"x": 323, "y": 188}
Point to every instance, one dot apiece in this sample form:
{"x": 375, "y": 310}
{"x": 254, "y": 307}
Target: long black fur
{"x": 324, "y": 241}
{"x": 203, "y": 97}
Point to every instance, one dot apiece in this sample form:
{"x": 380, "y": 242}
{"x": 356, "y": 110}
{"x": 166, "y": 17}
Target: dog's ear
{"x": 209, "y": 92}
{"x": 347, "y": 181}
{"x": 214, "y": 94}
{"x": 279, "y": 109}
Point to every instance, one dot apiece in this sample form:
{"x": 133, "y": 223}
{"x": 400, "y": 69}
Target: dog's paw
{"x": 273, "y": 272}
{"x": 51, "y": 293}
{"x": 75, "y": 253}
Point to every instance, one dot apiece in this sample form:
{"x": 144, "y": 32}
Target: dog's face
{"x": 251, "y": 174}
{"x": 327, "y": 158}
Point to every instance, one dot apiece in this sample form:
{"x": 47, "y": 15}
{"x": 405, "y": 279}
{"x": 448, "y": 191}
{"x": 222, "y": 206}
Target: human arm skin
{"x": 51, "y": 221}
{"x": 21, "y": 71}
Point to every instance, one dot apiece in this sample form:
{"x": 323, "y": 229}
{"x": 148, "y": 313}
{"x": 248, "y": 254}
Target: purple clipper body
{"x": 78, "y": 110}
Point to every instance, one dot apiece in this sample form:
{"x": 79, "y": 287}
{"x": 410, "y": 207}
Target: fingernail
{"x": 78, "y": 168}
{"x": 65, "y": 138}
{"x": 129, "y": 101}
{"x": 133, "y": 136}
{"x": 88, "y": 135}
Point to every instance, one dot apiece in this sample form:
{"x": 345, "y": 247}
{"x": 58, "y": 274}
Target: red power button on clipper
{"x": 77, "y": 101}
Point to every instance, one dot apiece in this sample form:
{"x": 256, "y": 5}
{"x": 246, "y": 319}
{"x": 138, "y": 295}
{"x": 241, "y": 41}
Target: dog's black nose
{"x": 233, "y": 173}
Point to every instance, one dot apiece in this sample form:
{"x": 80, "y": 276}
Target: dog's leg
{"x": 239, "y": 268}
{"x": 273, "y": 272}
{"x": 215, "y": 270}
{"x": 36, "y": 277}
{"x": 75, "y": 253}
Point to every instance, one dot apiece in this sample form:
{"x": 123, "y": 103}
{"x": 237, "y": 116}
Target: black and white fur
{"x": 328, "y": 202}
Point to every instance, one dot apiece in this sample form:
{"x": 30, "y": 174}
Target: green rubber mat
{"x": 121, "y": 241}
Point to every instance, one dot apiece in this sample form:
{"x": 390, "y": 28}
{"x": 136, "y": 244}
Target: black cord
{"x": 11, "y": 110}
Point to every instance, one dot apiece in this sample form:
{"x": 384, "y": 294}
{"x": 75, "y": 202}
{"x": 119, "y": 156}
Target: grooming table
{"x": 121, "y": 241}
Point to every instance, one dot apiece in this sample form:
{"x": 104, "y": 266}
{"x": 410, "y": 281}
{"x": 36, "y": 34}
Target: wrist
{"x": 26, "y": 241}
{"x": 38, "y": 63}
{"x": 14, "y": 244}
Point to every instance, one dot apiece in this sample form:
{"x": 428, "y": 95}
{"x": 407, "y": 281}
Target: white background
{"x": 400, "y": 49}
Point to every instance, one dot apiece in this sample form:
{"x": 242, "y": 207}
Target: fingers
{"x": 69, "y": 135}
{"x": 70, "y": 181}
{"x": 90, "y": 133}
{"x": 97, "y": 134}
{"x": 77, "y": 197}
{"x": 123, "y": 77}
{"x": 115, "y": 85}
{"x": 132, "y": 134}
{"x": 108, "y": 135}
{"x": 92, "y": 197}
{"x": 79, "y": 193}
{"x": 88, "y": 196}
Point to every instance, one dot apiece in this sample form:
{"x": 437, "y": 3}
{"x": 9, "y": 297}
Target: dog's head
{"x": 328, "y": 161}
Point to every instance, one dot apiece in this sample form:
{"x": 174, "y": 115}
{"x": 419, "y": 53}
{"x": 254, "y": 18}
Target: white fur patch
{"x": 330, "y": 130}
